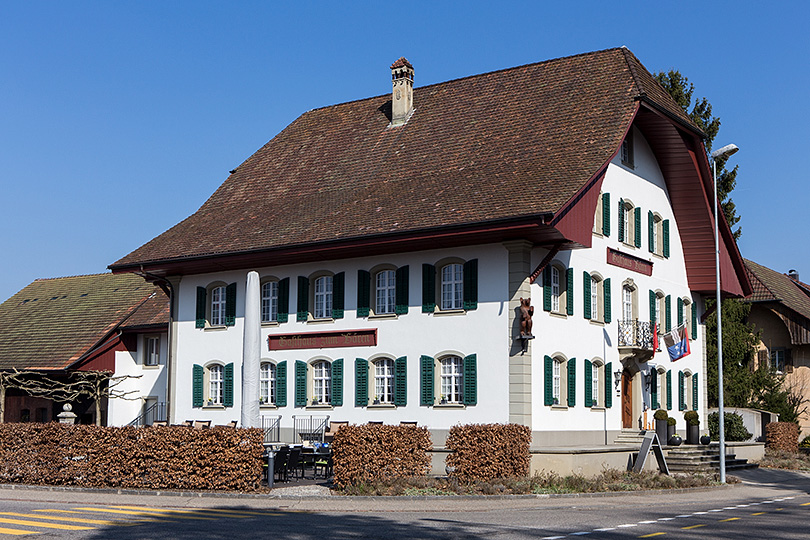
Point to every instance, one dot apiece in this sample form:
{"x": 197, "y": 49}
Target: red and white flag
{"x": 677, "y": 342}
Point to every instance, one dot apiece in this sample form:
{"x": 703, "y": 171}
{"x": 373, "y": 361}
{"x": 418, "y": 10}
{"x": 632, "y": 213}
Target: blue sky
{"x": 118, "y": 120}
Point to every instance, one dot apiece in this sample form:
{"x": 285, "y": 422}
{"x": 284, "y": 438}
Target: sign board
{"x": 651, "y": 441}
{"x": 629, "y": 262}
{"x": 323, "y": 340}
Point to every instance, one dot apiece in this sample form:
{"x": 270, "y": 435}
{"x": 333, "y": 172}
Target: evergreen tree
{"x": 681, "y": 91}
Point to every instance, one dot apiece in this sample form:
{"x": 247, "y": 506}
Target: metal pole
{"x": 719, "y": 330}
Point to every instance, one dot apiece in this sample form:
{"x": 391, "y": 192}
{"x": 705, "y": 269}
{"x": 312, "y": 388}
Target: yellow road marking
{"x": 694, "y": 526}
{"x": 758, "y": 513}
{"x": 653, "y": 534}
{"x": 75, "y": 520}
{"x": 45, "y": 525}
{"x": 729, "y": 519}
{"x": 804, "y": 504}
{"x": 147, "y": 514}
{"x": 17, "y": 532}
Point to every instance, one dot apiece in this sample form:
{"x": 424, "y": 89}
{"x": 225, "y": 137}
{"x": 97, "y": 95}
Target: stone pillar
{"x": 67, "y": 416}
{"x": 520, "y": 362}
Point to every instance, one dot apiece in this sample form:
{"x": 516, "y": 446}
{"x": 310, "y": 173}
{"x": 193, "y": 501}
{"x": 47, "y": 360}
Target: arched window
{"x": 322, "y": 381}
{"x": 218, "y": 298}
{"x": 452, "y": 379}
{"x": 215, "y": 384}
{"x": 385, "y": 292}
{"x": 452, "y": 286}
{"x": 384, "y": 380}
{"x": 323, "y": 297}
{"x": 267, "y": 383}
{"x": 269, "y": 301}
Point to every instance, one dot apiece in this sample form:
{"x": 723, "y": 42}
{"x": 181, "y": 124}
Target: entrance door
{"x": 627, "y": 400}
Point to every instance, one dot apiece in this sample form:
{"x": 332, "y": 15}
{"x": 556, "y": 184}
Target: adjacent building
{"x": 380, "y": 249}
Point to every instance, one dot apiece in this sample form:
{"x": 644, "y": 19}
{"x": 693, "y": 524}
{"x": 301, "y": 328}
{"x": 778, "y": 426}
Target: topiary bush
{"x": 734, "y": 426}
{"x": 671, "y": 421}
{"x": 661, "y": 414}
{"x": 692, "y": 418}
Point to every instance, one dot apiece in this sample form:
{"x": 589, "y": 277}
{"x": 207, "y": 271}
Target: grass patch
{"x": 542, "y": 483}
{"x": 780, "y": 459}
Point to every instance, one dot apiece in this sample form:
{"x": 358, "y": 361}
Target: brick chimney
{"x": 402, "y": 96}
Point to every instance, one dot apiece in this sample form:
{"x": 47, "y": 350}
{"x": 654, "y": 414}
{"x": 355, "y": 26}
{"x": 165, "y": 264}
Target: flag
{"x": 655, "y": 336}
{"x": 677, "y": 342}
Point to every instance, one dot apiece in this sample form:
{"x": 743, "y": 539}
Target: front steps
{"x": 632, "y": 437}
{"x": 699, "y": 458}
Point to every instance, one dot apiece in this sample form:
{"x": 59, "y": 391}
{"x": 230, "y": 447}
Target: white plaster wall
{"x": 151, "y": 382}
{"x": 577, "y": 337}
{"x": 482, "y": 332}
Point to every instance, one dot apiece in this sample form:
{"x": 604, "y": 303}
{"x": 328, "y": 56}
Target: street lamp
{"x": 725, "y": 151}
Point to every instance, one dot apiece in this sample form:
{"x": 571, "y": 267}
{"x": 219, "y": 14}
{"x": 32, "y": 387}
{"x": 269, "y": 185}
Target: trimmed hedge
{"x": 486, "y": 451}
{"x": 371, "y": 452}
{"x": 733, "y": 426}
{"x": 156, "y": 457}
{"x": 782, "y": 436}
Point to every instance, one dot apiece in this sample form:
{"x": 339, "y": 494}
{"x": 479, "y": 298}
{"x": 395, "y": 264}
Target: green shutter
{"x": 201, "y": 299}
{"x": 197, "y": 377}
{"x": 300, "y": 383}
{"x": 606, "y": 294}
{"x": 621, "y": 220}
{"x": 569, "y": 291}
{"x": 470, "y": 380}
{"x": 470, "y": 285}
{"x": 230, "y": 304}
{"x": 653, "y": 300}
{"x": 637, "y": 239}
{"x": 428, "y": 290}
{"x": 588, "y": 383}
{"x": 606, "y": 214}
{"x": 572, "y": 382}
{"x": 281, "y": 384}
{"x": 227, "y": 387}
{"x": 695, "y": 392}
{"x": 283, "y": 300}
{"x": 680, "y": 311}
{"x": 363, "y": 293}
{"x": 681, "y": 392}
{"x": 548, "y": 381}
{"x": 669, "y": 390}
{"x": 360, "y": 382}
{"x": 401, "y": 381}
{"x": 608, "y": 385}
{"x": 665, "y": 234}
{"x": 338, "y": 295}
{"x": 586, "y": 295}
{"x": 426, "y": 380}
{"x": 650, "y": 230}
{"x": 694, "y": 321}
{"x": 337, "y": 382}
{"x": 654, "y": 389}
{"x": 547, "y": 288}
{"x": 303, "y": 299}
{"x": 668, "y": 312}
{"x": 401, "y": 292}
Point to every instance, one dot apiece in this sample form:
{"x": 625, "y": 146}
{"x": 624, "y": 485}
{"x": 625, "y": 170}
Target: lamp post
{"x": 725, "y": 151}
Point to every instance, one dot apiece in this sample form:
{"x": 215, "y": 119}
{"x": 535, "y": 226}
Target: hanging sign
{"x": 323, "y": 340}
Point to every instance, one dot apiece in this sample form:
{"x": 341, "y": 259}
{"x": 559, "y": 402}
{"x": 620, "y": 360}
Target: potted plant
{"x": 675, "y": 440}
{"x": 661, "y": 417}
{"x": 315, "y": 400}
{"x": 670, "y": 428}
{"x": 376, "y": 400}
{"x": 705, "y": 439}
{"x": 692, "y": 427}
{"x": 443, "y": 401}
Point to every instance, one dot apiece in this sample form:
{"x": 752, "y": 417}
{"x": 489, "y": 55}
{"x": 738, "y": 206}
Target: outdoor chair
{"x": 201, "y": 424}
{"x": 408, "y": 424}
{"x": 375, "y": 423}
{"x": 295, "y": 464}
{"x": 333, "y": 427}
{"x": 160, "y": 423}
{"x": 323, "y": 466}
{"x": 280, "y": 464}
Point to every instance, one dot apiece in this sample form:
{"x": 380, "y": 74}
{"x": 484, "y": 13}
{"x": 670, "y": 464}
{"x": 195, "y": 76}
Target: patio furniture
{"x": 280, "y": 463}
{"x": 160, "y": 423}
{"x": 333, "y": 428}
{"x": 323, "y": 463}
{"x": 408, "y": 424}
{"x": 375, "y": 423}
{"x": 201, "y": 424}
{"x": 294, "y": 463}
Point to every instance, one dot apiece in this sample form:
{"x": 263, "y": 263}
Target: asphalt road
{"x": 770, "y": 504}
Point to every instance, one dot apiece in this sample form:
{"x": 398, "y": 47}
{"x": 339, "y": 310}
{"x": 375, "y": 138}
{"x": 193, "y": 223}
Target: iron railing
{"x": 154, "y": 413}
{"x": 310, "y": 428}
{"x": 636, "y": 334}
{"x": 271, "y": 427}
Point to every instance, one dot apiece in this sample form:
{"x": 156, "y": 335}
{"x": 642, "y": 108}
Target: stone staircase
{"x": 698, "y": 458}
{"x": 632, "y": 437}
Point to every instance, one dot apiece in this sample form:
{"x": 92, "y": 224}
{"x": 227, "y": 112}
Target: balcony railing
{"x": 155, "y": 412}
{"x": 636, "y": 334}
{"x": 310, "y": 428}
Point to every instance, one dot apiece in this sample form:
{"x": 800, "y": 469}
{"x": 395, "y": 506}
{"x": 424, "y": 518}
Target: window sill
{"x": 629, "y": 246}
{"x": 598, "y": 409}
{"x": 267, "y": 406}
{"x": 151, "y": 366}
{"x": 598, "y": 234}
{"x": 327, "y": 320}
{"x": 320, "y": 407}
{"x": 597, "y": 323}
{"x": 270, "y": 323}
{"x": 449, "y": 312}
{"x": 559, "y": 407}
{"x": 381, "y": 406}
{"x": 215, "y": 328}
{"x": 558, "y": 315}
{"x": 449, "y": 406}
{"x": 383, "y": 316}
{"x": 657, "y": 255}
{"x": 214, "y": 407}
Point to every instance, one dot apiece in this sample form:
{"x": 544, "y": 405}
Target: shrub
{"x": 805, "y": 442}
{"x": 661, "y": 414}
{"x": 368, "y": 453}
{"x": 692, "y": 418}
{"x": 782, "y": 436}
{"x": 671, "y": 421}
{"x": 733, "y": 424}
{"x": 486, "y": 451}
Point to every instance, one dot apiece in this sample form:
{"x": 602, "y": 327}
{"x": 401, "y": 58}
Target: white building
{"x": 393, "y": 238}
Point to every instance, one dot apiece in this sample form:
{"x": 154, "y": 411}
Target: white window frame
{"x": 595, "y": 285}
{"x": 322, "y": 381}
{"x": 216, "y": 384}
{"x": 218, "y": 301}
{"x": 151, "y": 350}
{"x": 269, "y": 301}
{"x": 627, "y": 303}
{"x": 555, "y": 289}
{"x": 323, "y": 297}
{"x": 385, "y": 292}
{"x": 452, "y": 286}
{"x": 777, "y": 360}
{"x": 595, "y": 367}
{"x": 660, "y": 311}
{"x": 556, "y": 378}
{"x": 267, "y": 383}
{"x": 384, "y": 380}
{"x": 452, "y": 379}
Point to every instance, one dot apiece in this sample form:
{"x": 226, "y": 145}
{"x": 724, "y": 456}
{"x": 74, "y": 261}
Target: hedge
{"x": 371, "y": 452}
{"x": 782, "y": 436}
{"x": 733, "y": 426}
{"x": 156, "y": 457}
{"x": 486, "y": 451}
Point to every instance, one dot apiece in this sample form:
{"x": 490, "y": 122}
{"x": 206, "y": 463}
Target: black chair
{"x": 295, "y": 464}
{"x": 323, "y": 463}
{"x": 280, "y": 464}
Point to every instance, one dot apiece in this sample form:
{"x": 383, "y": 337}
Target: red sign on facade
{"x": 623, "y": 260}
{"x": 323, "y": 340}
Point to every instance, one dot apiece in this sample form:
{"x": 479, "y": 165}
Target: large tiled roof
{"x": 772, "y": 286}
{"x": 510, "y": 144}
{"x": 50, "y": 323}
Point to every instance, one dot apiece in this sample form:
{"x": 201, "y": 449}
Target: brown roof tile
{"x": 52, "y": 322}
{"x": 772, "y": 286}
{"x": 514, "y": 143}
